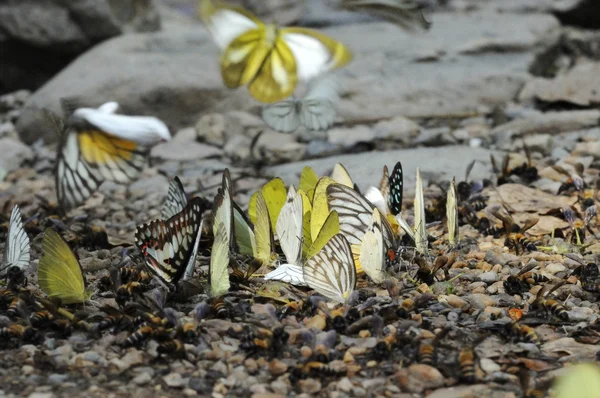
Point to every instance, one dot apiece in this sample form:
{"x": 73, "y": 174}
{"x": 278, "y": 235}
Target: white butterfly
{"x": 331, "y": 272}
{"x": 452, "y": 214}
{"x": 419, "y": 232}
{"x": 372, "y": 250}
{"x": 16, "y": 248}
{"x": 289, "y": 230}
{"x": 98, "y": 145}
{"x": 316, "y": 111}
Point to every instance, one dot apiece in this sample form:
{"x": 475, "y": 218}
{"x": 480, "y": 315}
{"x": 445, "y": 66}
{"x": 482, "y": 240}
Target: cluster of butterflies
{"x": 326, "y": 229}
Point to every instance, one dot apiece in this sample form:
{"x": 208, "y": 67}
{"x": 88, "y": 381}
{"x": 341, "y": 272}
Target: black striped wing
{"x": 396, "y": 187}
{"x": 169, "y": 244}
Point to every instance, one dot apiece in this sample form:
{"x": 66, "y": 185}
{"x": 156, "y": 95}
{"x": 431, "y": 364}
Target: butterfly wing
{"x": 176, "y": 199}
{"x": 16, "y": 249}
{"x": 331, "y": 271}
{"x": 282, "y": 116}
{"x": 308, "y": 182}
{"x": 452, "y": 214}
{"x": 407, "y": 14}
{"x": 219, "y": 262}
{"x": 340, "y": 175}
{"x": 168, "y": 245}
{"x": 355, "y": 213}
{"x": 262, "y": 232}
{"x": 372, "y": 250}
{"x": 317, "y": 108}
{"x": 289, "y": 273}
{"x": 314, "y": 53}
{"x": 225, "y": 22}
{"x": 420, "y": 227}
{"x": 290, "y": 227}
{"x": 59, "y": 273}
{"x": 143, "y": 130}
{"x": 396, "y": 186}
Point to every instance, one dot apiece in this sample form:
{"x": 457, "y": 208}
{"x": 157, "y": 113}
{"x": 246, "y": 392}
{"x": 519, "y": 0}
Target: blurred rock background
{"x": 487, "y": 73}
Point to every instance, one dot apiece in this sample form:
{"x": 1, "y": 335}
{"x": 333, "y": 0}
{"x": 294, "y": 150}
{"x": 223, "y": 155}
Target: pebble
{"x": 277, "y": 367}
{"x": 345, "y": 384}
{"x": 480, "y": 301}
{"x": 554, "y": 268}
{"x": 419, "y": 377}
{"x": 142, "y": 379}
{"x": 488, "y": 277}
{"x": 175, "y": 380}
{"x": 57, "y": 379}
{"x": 310, "y": 386}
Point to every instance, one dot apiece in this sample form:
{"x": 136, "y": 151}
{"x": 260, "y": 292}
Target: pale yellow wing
{"x": 59, "y": 273}
{"x": 320, "y": 208}
{"x": 420, "y": 226}
{"x": 262, "y": 232}
{"x": 452, "y": 214}
{"x": 341, "y": 175}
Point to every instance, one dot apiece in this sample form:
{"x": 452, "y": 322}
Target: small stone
{"x": 480, "y": 301}
{"x": 310, "y": 386}
{"x": 188, "y": 150}
{"x": 345, "y": 384}
{"x": 488, "y": 277}
{"x": 399, "y": 129}
{"x": 419, "y": 377}
{"x": 13, "y": 153}
{"x": 488, "y": 366}
{"x": 554, "y": 268}
{"x": 305, "y": 351}
{"x": 457, "y": 302}
{"x": 276, "y": 367}
{"x": 57, "y": 379}
{"x": 175, "y": 380}
{"x": 251, "y": 365}
{"x": 142, "y": 379}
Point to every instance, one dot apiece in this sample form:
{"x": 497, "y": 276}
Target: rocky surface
{"x": 489, "y": 79}
{"x": 42, "y": 36}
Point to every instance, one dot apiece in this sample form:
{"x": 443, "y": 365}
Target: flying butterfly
{"x": 315, "y": 111}
{"x": 175, "y": 203}
{"x": 269, "y": 59}
{"x": 59, "y": 273}
{"x": 16, "y": 247}
{"x": 98, "y": 145}
{"x": 331, "y": 272}
{"x": 167, "y": 245}
{"x": 452, "y": 214}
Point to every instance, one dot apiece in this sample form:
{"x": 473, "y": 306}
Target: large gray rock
{"x": 174, "y": 74}
{"x": 39, "y": 37}
{"x": 436, "y": 164}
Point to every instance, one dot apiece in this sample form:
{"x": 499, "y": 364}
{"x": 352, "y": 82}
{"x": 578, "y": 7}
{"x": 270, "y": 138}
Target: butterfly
{"x": 388, "y": 197}
{"x": 340, "y": 175}
{"x": 168, "y": 245}
{"x": 175, "y": 203}
{"x": 219, "y": 257}
{"x": 331, "y": 272}
{"x": 59, "y": 273}
{"x": 372, "y": 251}
{"x": 421, "y": 242}
{"x": 267, "y": 58}
{"x": 98, "y": 145}
{"x": 452, "y": 214}
{"x": 315, "y": 110}
{"x": 298, "y": 239}
{"x": 16, "y": 247}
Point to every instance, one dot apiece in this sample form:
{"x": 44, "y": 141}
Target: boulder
{"x": 40, "y": 37}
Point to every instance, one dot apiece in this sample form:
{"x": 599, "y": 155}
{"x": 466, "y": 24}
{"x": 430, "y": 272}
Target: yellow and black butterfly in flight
{"x": 98, "y": 145}
{"x": 267, "y": 58}
{"x": 168, "y": 245}
{"x": 59, "y": 273}
{"x": 16, "y": 251}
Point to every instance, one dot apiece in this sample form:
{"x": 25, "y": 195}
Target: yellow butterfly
{"x": 340, "y": 175}
{"x": 59, "y": 273}
{"x": 267, "y": 58}
{"x": 274, "y": 194}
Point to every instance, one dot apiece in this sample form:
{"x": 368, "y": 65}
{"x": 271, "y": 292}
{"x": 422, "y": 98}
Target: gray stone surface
{"x": 437, "y": 164}
{"x": 39, "y": 37}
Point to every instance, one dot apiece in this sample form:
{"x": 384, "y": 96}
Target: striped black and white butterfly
{"x": 331, "y": 272}
{"x": 16, "y": 251}
{"x": 98, "y": 145}
{"x": 168, "y": 245}
{"x": 315, "y": 111}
